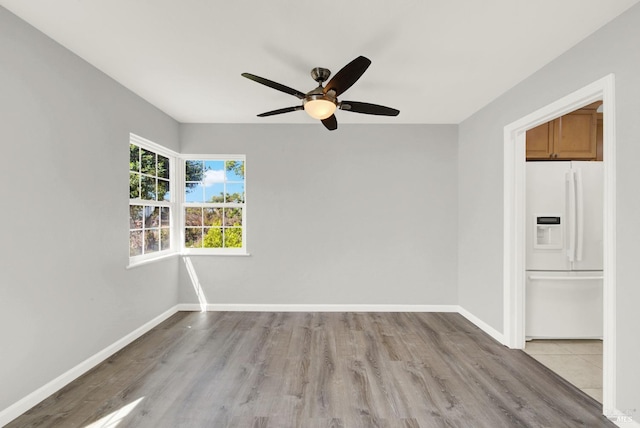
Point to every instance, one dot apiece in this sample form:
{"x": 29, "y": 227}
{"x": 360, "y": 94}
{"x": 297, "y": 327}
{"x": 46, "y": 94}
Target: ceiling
{"x": 436, "y": 61}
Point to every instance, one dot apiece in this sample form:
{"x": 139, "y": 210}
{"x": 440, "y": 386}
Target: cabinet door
{"x": 540, "y": 141}
{"x": 575, "y": 135}
{"x": 599, "y": 138}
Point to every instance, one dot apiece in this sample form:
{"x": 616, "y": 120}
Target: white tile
{"x": 594, "y": 392}
{"x": 574, "y": 369}
{"x": 558, "y": 363}
{"x": 583, "y": 379}
{"x": 541, "y": 347}
{"x": 596, "y": 360}
{"x": 582, "y": 346}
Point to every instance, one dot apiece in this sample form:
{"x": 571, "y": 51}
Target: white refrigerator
{"x": 564, "y": 205}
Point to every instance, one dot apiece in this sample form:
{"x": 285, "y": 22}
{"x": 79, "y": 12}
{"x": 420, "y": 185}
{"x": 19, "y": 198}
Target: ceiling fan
{"x": 321, "y": 102}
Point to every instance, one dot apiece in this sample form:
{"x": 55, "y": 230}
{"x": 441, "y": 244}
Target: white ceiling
{"x": 437, "y": 61}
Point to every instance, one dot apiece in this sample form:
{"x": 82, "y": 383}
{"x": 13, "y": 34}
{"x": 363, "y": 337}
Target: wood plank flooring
{"x": 253, "y": 369}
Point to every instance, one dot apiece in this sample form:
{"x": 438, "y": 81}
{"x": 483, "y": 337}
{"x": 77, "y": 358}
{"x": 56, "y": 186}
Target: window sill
{"x": 198, "y": 254}
{"x": 136, "y": 264}
{"x": 133, "y": 265}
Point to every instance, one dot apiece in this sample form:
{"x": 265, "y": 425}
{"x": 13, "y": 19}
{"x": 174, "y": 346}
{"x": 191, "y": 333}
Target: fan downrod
{"x": 320, "y": 74}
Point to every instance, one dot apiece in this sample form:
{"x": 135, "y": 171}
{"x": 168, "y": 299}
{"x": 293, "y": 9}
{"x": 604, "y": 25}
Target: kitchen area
{"x": 564, "y": 246}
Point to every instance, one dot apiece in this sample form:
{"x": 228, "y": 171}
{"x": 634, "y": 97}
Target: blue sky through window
{"x": 214, "y": 181}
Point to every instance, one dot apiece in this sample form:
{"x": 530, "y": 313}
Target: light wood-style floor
{"x": 239, "y": 369}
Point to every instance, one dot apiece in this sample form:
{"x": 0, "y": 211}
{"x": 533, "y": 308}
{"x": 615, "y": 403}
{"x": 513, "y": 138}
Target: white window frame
{"x": 172, "y": 204}
{"x": 181, "y": 178}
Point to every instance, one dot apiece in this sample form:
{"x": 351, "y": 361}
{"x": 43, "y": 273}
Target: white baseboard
{"x": 482, "y": 325}
{"x": 316, "y": 308}
{"x": 21, "y": 406}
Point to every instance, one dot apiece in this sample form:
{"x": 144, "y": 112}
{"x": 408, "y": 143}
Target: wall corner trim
{"x": 26, "y": 403}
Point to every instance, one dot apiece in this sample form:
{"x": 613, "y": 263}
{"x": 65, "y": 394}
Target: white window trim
{"x": 180, "y": 178}
{"x": 173, "y": 204}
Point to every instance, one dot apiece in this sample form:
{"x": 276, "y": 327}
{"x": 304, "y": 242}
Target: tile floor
{"x": 578, "y": 361}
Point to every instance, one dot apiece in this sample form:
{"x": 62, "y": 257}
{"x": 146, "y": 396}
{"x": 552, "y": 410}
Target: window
{"x": 214, "y": 205}
{"x": 196, "y": 208}
{"x": 150, "y": 199}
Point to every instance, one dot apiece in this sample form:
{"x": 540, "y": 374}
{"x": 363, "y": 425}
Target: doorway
{"x": 514, "y": 216}
{"x": 563, "y": 293}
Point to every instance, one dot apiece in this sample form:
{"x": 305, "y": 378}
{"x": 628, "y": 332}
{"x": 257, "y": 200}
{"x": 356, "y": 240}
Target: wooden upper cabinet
{"x": 540, "y": 141}
{"x": 575, "y": 135}
{"x": 570, "y": 137}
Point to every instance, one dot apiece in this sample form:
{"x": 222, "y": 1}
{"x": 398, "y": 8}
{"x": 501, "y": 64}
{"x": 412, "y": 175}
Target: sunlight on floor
{"x": 113, "y": 419}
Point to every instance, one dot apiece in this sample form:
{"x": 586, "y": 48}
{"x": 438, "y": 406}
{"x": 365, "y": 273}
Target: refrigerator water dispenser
{"x": 547, "y": 233}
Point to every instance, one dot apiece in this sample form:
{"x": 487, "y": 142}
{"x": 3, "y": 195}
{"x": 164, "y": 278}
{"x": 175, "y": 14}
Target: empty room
{"x": 339, "y": 214}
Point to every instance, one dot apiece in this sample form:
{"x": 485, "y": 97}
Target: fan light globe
{"x": 319, "y": 109}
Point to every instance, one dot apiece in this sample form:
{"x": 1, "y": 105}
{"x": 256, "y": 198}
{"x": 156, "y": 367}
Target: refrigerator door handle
{"x": 571, "y": 223}
{"x": 579, "y": 224}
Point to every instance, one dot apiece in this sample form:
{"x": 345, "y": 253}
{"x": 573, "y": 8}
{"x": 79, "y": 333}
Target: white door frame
{"x": 514, "y": 220}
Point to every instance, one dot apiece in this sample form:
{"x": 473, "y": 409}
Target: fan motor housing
{"x": 320, "y": 74}
{"x": 318, "y": 94}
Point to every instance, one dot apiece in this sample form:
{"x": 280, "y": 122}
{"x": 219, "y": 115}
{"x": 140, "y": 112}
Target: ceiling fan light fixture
{"x": 319, "y": 108}
{"x": 321, "y": 102}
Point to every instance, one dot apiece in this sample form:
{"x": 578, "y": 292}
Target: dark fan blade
{"x": 274, "y": 85}
{"x": 348, "y": 75}
{"x": 331, "y": 123}
{"x": 366, "y": 108}
{"x": 280, "y": 111}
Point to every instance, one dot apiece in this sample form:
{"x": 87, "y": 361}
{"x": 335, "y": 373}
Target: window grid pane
{"x": 163, "y": 167}
{"x": 134, "y": 158}
{"x": 147, "y": 162}
{"x": 212, "y": 237}
{"x": 135, "y": 243}
{"x": 193, "y": 237}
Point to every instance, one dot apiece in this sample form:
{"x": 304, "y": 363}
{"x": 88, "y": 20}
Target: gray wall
{"x": 64, "y": 291}
{"x": 365, "y": 214}
{"x": 368, "y": 214}
{"x": 613, "y": 49}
